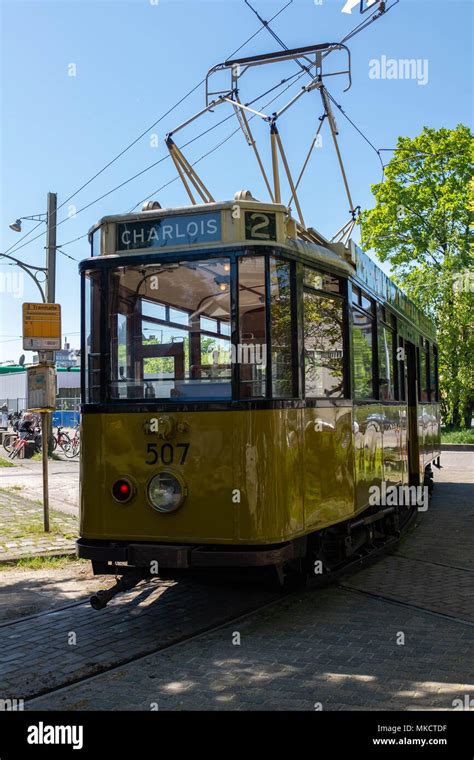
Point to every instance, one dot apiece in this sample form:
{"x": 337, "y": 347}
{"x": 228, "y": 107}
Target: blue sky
{"x": 135, "y": 59}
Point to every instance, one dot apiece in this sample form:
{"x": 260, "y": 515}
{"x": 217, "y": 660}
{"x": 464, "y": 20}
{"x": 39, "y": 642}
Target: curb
{"x": 457, "y": 447}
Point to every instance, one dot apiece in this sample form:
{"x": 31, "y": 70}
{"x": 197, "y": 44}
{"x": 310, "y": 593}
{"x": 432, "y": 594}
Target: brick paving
{"x": 329, "y": 647}
{"x": 42, "y": 653}
{"x": 339, "y": 648}
{"x": 21, "y": 528}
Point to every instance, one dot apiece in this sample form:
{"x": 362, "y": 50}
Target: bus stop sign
{"x": 41, "y": 326}
{"x": 41, "y": 388}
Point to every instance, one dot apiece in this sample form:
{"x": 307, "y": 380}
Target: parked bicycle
{"x": 29, "y": 433}
{"x": 62, "y": 440}
{"x": 75, "y": 444}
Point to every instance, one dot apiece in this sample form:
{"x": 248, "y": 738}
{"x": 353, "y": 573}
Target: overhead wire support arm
{"x": 184, "y": 168}
{"x": 236, "y": 64}
{"x": 276, "y": 144}
{"x": 247, "y": 132}
{"x": 334, "y": 133}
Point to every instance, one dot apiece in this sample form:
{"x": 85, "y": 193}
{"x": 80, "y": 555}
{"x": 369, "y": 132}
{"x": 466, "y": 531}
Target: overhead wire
{"x": 296, "y": 76}
{"x": 16, "y": 246}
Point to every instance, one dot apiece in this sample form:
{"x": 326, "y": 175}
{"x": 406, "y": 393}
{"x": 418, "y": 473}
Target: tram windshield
{"x": 169, "y": 327}
{"x": 167, "y": 331}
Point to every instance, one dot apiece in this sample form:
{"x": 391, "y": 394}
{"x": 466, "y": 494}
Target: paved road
{"x": 399, "y": 635}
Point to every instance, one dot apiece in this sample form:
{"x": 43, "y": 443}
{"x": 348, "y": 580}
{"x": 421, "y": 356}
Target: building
{"x": 13, "y": 392}
{"x": 66, "y": 357}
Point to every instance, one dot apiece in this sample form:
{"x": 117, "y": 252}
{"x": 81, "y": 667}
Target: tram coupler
{"x": 125, "y": 583}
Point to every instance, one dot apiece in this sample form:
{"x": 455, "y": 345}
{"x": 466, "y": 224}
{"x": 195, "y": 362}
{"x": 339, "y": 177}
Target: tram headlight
{"x": 165, "y": 492}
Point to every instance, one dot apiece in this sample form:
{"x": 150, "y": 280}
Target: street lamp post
{"x": 45, "y": 357}
{"x": 50, "y": 219}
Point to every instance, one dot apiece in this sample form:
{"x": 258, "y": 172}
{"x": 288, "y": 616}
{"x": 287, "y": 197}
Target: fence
{"x": 67, "y": 409}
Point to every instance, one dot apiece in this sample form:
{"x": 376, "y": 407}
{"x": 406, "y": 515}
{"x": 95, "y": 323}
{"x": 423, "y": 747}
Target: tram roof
{"x": 228, "y": 224}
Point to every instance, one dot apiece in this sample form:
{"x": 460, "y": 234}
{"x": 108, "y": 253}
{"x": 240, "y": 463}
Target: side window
{"x": 434, "y": 374}
{"x": 385, "y": 358}
{"x": 425, "y": 371}
{"x": 252, "y": 348}
{"x": 400, "y": 369}
{"x": 281, "y": 332}
{"x": 323, "y": 346}
{"x": 362, "y": 346}
{"x": 92, "y": 355}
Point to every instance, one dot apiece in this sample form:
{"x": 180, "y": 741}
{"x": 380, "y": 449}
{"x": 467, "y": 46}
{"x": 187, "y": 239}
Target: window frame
{"x": 342, "y": 298}
{"x": 105, "y": 264}
{"x": 387, "y": 321}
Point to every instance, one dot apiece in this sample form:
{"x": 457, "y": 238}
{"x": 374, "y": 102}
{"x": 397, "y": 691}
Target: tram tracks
{"x": 54, "y": 649}
{"x": 155, "y": 617}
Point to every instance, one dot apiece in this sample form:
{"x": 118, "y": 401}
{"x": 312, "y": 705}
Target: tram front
{"x": 188, "y": 354}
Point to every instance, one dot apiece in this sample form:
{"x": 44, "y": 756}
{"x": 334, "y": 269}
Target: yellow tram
{"x": 246, "y": 385}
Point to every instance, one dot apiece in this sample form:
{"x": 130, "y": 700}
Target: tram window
{"x": 179, "y": 316}
{"x": 321, "y": 281}
{"x": 434, "y": 374}
{"x": 425, "y": 373}
{"x": 385, "y": 355}
{"x": 123, "y": 354}
{"x": 356, "y": 295}
{"x": 154, "y": 310}
{"x": 95, "y": 242}
{"x": 158, "y": 346}
{"x": 400, "y": 367}
{"x": 323, "y": 346}
{"x": 92, "y": 359}
{"x": 367, "y": 303}
{"x": 252, "y": 349}
{"x": 210, "y": 325}
{"x": 362, "y": 339}
{"x": 280, "y": 315}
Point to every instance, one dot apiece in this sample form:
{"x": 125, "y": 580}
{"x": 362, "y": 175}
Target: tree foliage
{"x": 421, "y": 225}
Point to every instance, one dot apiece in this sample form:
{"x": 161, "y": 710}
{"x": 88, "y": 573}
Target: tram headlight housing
{"x": 166, "y": 492}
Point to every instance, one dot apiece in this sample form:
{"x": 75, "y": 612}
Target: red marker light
{"x": 122, "y": 490}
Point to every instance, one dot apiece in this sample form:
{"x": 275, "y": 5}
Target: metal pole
{"x": 51, "y": 220}
{"x": 276, "y": 174}
{"x": 44, "y": 449}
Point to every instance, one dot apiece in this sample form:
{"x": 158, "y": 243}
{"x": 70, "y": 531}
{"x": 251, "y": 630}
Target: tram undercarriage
{"x": 315, "y": 559}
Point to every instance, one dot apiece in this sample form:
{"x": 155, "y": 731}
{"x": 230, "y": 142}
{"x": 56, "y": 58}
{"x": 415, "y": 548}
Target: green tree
{"x": 421, "y": 225}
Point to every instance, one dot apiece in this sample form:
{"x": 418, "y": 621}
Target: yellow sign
{"x": 41, "y": 326}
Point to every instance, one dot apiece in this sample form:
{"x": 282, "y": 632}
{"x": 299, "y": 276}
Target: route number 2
{"x": 260, "y": 226}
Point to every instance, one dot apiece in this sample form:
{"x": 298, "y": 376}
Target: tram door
{"x": 412, "y": 403}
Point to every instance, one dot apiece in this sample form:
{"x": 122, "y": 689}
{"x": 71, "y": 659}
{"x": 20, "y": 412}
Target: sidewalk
{"x": 21, "y": 528}
{"x": 27, "y": 475}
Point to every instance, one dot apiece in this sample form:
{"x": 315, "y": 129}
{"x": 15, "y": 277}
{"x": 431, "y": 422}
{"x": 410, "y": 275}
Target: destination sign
{"x": 169, "y": 231}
